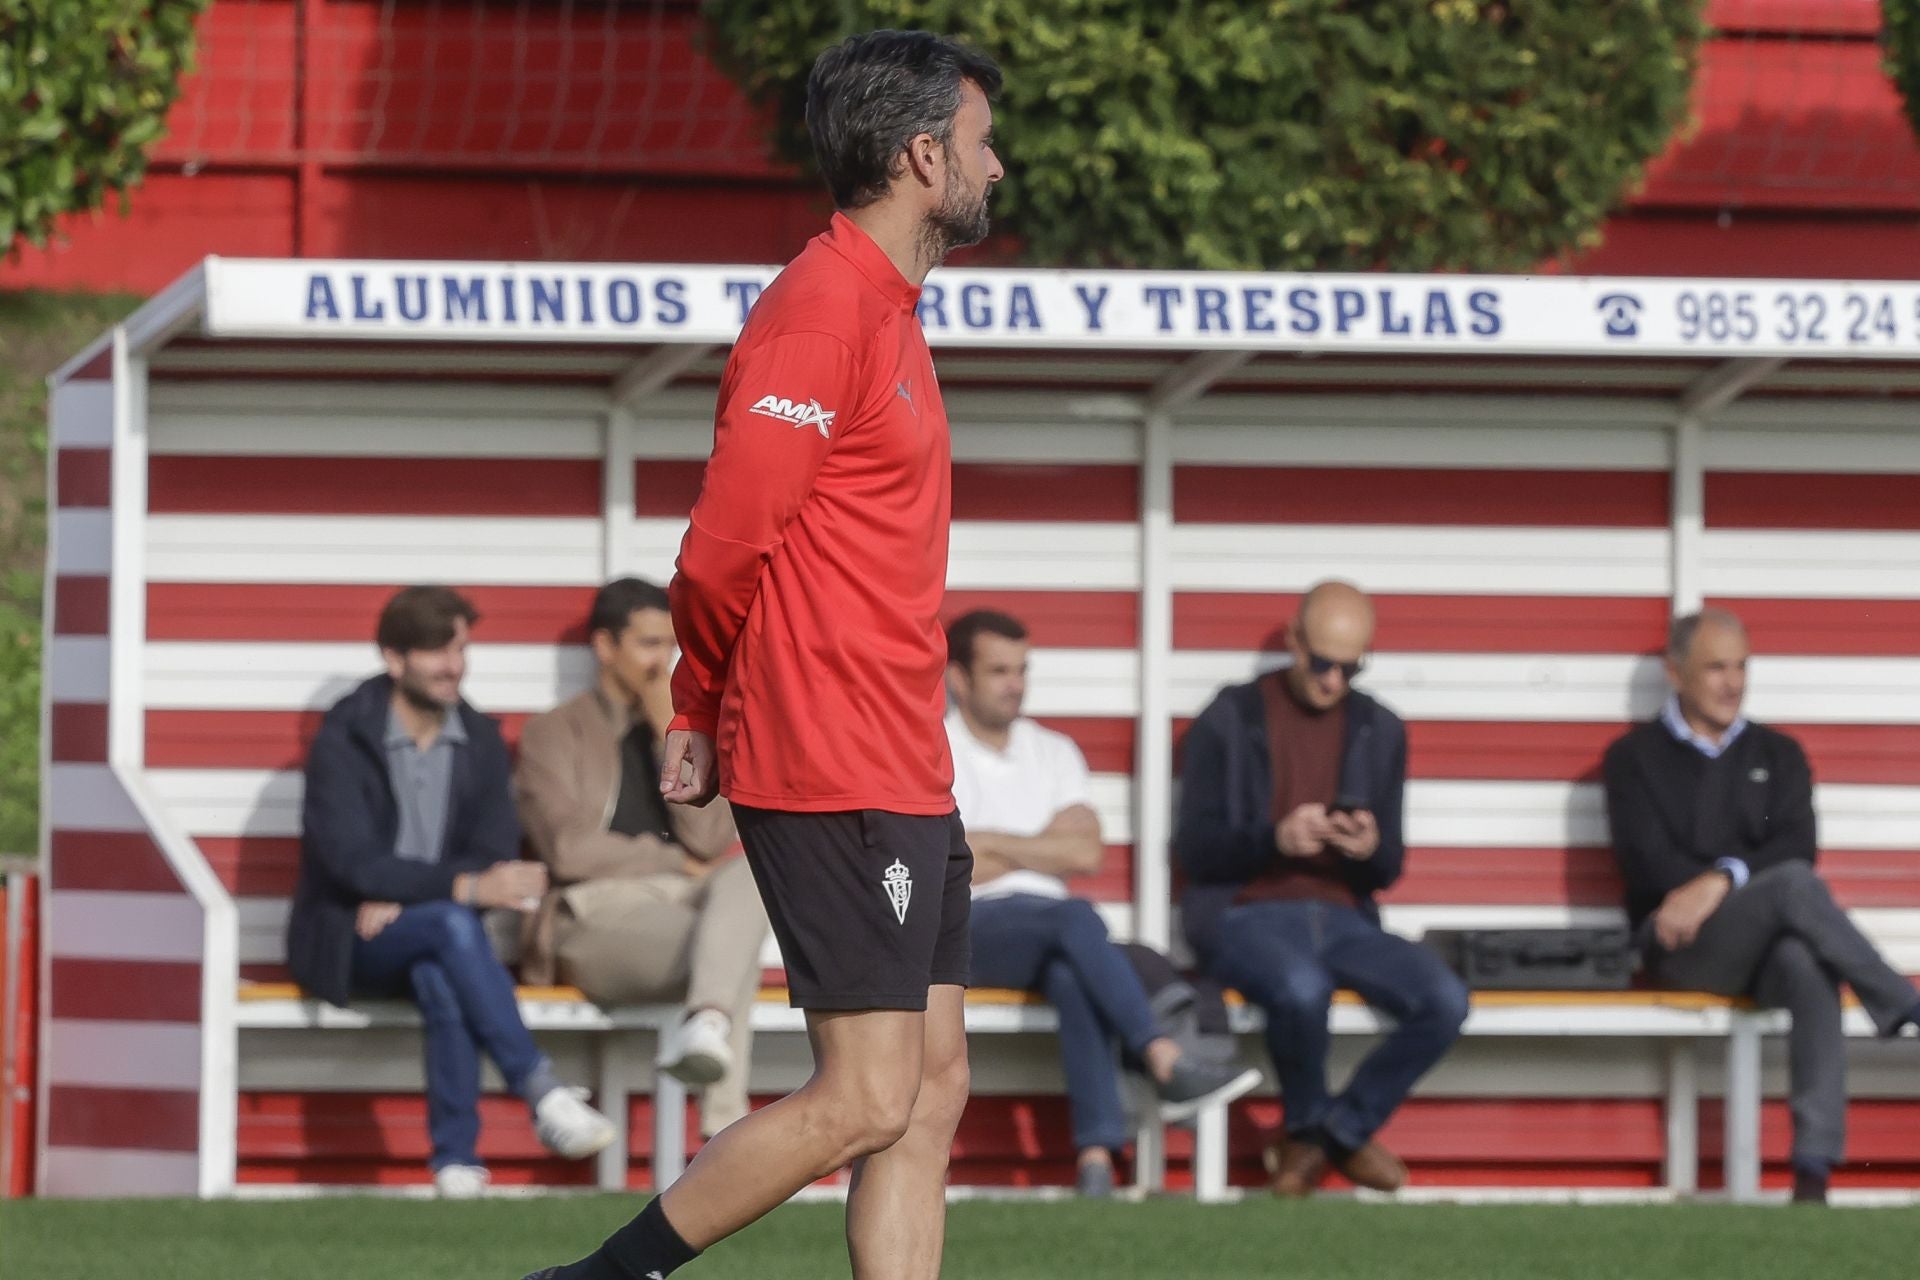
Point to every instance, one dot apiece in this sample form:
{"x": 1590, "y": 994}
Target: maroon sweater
{"x": 1306, "y": 747}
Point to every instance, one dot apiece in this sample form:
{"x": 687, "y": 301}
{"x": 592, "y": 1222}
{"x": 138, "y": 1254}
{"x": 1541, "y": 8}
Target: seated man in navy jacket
{"x": 1713, "y": 827}
{"x": 407, "y": 832}
{"x": 1290, "y": 822}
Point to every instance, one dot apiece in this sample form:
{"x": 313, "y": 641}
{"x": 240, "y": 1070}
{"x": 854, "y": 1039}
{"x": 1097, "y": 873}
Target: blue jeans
{"x": 1059, "y": 948}
{"x": 1289, "y": 958}
{"x": 438, "y": 953}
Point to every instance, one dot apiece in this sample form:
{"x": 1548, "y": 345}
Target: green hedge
{"x": 37, "y": 332}
{"x": 1295, "y": 134}
{"x": 1900, "y": 35}
{"x": 19, "y": 730}
{"x": 85, "y": 86}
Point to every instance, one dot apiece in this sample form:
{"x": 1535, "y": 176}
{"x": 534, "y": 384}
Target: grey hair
{"x": 1684, "y": 628}
{"x": 872, "y": 94}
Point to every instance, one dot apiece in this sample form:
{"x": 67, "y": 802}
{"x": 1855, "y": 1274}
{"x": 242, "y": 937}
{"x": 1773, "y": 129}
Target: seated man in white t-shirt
{"x": 1024, "y": 797}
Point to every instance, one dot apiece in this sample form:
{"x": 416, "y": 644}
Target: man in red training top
{"x": 809, "y": 685}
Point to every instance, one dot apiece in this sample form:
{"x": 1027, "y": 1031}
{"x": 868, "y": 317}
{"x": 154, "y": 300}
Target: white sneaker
{"x": 696, "y": 1051}
{"x": 460, "y": 1181}
{"x": 568, "y": 1127}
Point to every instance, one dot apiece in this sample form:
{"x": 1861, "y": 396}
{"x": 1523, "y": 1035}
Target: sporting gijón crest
{"x": 899, "y": 886}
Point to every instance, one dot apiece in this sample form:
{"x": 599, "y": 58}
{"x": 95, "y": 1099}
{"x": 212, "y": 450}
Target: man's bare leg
{"x": 897, "y": 1208}
{"x": 860, "y": 1099}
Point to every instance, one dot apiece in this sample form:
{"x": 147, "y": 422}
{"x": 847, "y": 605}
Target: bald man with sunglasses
{"x": 1290, "y": 823}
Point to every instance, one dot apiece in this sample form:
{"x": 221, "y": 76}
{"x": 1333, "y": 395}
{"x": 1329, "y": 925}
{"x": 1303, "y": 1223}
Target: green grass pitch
{"x": 353, "y": 1238}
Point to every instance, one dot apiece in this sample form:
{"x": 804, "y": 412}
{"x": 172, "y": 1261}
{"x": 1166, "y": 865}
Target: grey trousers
{"x": 1785, "y": 942}
{"x": 671, "y": 937}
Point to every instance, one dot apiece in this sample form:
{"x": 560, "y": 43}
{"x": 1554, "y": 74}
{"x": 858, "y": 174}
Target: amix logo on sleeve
{"x": 807, "y": 414}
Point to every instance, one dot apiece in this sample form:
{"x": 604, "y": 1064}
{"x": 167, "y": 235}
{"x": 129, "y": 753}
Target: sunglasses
{"x": 1321, "y": 666}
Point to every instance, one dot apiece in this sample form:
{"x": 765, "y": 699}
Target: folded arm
{"x": 1070, "y": 845}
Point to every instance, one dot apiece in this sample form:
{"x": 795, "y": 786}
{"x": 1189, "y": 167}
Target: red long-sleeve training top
{"x": 807, "y": 594}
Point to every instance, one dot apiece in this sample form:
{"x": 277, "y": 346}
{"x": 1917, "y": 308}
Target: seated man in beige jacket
{"x": 648, "y": 904}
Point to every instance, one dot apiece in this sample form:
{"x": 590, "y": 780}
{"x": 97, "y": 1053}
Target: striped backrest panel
{"x": 1813, "y": 537}
{"x": 275, "y": 535}
{"x": 1523, "y": 570}
{"x": 1523, "y": 573}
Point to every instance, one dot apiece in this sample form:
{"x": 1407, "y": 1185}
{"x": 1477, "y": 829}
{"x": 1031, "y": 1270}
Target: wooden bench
{"x": 1679, "y": 1019}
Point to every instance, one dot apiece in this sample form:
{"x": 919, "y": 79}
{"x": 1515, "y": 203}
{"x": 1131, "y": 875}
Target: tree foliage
{"x": 85, "y": 86}
{"x": 1900, "y": 34}
{"x": 1292, "y": 134}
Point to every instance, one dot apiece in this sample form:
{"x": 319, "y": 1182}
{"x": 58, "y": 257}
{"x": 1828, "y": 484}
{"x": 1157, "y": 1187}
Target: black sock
{"x": 647, "y": 1245}
{"x": 648, "y": 1248}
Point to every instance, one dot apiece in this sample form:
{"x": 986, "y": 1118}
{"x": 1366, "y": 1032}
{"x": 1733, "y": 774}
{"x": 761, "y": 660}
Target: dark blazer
{"x": 1224, "y": 835}
{"x": 1673, "y": 813}
{"x": 350, "y": 823}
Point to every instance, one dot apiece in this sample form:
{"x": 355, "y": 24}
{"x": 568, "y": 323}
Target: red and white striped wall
{"x": 1524, "y": 567}
{"x": 1524, "y": 573}
{"x": 222, "y": 546}
{"x": 273, "y": 541}
{"x": 1811, "y": 532}
{"x": 137, "y": 1048}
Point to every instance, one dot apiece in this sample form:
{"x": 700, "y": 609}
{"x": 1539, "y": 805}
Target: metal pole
{"x": 1689, "y": 513}
{"x": 616, "y": 487}
{"x": 1153, "y": 771}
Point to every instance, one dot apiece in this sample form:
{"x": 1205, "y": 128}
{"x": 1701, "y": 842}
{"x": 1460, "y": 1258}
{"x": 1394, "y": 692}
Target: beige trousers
{"x": 672, "y": 937}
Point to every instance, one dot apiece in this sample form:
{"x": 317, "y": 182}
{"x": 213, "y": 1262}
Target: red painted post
{"x": 19, "y": 981}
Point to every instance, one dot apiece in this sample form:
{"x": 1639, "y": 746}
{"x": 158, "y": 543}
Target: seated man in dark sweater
{"x": 1290, "y": 822}
{"x": 1713, "y": 827}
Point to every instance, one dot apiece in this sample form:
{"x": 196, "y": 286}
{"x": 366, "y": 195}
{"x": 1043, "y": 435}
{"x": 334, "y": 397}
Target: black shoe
{"x": 544, "y": 1273}
{"x": 1194, "y": 1086}
{"x": 1809, "y": 1186}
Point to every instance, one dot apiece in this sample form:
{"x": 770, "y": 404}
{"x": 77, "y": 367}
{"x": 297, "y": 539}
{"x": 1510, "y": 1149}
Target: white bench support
{"x": 1742, "y": 1110}
{"x": 669, "y": 1130}
{"x": 1683, "y": 1118}
{"x": 610, "y": 1089}
{"x": 1210, "y": 1155}
{"x": 1150, "y": 1155}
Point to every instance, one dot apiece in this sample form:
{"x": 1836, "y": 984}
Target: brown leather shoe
{"x": 1295, "y": 1168}
{"x": 1375, "y": 1168}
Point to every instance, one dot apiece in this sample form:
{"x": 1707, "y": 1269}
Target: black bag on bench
{"x": 1537, "y": 959}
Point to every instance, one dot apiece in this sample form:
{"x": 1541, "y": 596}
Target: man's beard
{"x": 993, "y": 717}
{"x": 416, "y": 693}
{"x": 960, "y": 220}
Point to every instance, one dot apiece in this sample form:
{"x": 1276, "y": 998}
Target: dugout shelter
{"x": 1531, "y": 474}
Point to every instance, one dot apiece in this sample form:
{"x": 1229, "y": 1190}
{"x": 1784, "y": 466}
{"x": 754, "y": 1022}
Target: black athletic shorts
{"x": 869, "y": 908}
